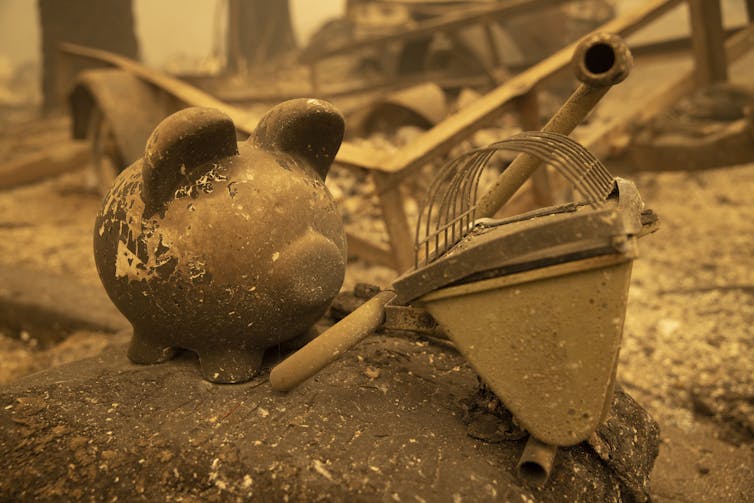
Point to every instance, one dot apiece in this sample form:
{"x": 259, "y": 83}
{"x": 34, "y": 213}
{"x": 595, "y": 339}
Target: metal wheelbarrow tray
{"x": 536, "y": 304}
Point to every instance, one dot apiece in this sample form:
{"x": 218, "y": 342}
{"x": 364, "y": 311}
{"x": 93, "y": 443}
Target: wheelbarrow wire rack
{"x": 449, "y": 211}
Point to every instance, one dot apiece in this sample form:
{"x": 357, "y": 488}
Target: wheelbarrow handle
{"x": 332, "y": 343}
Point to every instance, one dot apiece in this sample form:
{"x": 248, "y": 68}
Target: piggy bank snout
{"x": 310, "y": 271}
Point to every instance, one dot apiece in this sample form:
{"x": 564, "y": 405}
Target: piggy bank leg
{"x": 230, "y": 365}
{"x": 147, "y": 349}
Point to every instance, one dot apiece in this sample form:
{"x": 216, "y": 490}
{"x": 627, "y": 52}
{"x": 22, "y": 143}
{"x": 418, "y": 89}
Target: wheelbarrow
{"x": 535, "y": 302}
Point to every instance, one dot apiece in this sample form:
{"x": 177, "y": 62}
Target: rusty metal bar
{"x": 600, "y": 60}
{"x": 708, "y": 42}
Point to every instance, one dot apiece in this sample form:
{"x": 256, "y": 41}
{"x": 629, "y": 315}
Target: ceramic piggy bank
{"x": 225, "y": 248}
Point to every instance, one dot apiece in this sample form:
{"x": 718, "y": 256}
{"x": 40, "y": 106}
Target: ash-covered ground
{"x": 688, "y": 345}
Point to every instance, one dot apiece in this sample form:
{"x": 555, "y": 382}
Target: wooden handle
{"x": 335, "y": 341}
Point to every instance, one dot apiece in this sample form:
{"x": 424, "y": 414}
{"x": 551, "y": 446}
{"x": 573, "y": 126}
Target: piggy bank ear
{"x": 307, "y": 128}
{"x": 180, "y": 150}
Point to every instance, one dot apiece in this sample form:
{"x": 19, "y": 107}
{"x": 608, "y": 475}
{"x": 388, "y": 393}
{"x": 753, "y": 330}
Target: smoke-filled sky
{"x": 196, "y": 27}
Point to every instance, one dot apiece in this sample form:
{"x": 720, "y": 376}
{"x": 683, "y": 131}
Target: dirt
{"x": 688, "y": 351}
{"x": 21, "y": 356}
{"x": 47, "y": 226}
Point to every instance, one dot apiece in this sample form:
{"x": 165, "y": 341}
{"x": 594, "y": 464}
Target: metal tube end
{"x": 602, "y": 59}
{"x": 536, "y": 462}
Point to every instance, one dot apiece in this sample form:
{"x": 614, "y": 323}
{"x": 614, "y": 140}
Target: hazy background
{"x": 188, "y": 35}
{"x": 196, "y": 28}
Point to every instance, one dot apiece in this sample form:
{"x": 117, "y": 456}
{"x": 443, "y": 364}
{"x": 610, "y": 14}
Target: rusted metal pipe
{"x": 600, "y": 61}
{"x": 335, "y": 341}
{"x": 536, "y": 461}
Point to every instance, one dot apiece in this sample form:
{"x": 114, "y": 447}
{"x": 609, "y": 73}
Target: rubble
{"x": 688, "y": 344}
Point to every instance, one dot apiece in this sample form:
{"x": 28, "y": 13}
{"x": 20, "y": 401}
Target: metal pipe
{"x": 332, "y": 343}
{"x": 600, "y": 61}
{"x": 536, "y": 461}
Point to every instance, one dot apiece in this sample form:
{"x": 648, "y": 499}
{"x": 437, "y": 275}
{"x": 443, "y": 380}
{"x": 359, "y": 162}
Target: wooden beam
{"x": 708, "y": 42}
{"x": 601, "y": 143}
{"x": 55, "y": 303}
{"x": 463, "y": 124}
{"x": 40, "y": 165}
{"x": 674, "y": 44}
{"x": 365, "y": 250}
{"x": 396, "y": 222}
{"x": 426, "y": 28}
{"x": 527, "y": 107}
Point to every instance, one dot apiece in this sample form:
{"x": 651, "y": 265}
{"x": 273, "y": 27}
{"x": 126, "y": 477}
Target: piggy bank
{"x": 221, "y": 247}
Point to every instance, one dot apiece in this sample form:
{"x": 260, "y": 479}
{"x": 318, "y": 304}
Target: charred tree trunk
{"x": 258, "y": 32}
{"x": 106, "y": 25}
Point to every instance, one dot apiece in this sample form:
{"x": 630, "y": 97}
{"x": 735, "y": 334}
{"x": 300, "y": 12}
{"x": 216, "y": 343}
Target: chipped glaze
{"x": 225, "y": 248}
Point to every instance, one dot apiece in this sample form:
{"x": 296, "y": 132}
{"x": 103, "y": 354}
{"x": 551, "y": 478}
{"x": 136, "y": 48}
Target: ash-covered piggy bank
{"x": 225, "y": 248}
